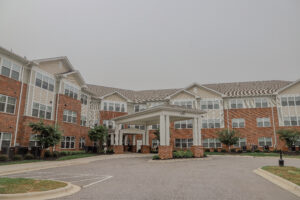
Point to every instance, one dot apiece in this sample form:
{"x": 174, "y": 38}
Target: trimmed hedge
{"x": 29, "y": 156}
{"x": 17, "y": 157}
{"x": 3, "y": 158}
{"x": 183, "y": 154}
{"x": 155, "y": 157}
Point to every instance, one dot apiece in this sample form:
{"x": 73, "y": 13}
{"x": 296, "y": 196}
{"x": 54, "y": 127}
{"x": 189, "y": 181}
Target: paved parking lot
{"x": 221, "y": 177}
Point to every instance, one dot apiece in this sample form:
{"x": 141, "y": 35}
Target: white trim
{"x": 115, "y": 92}
{"x": 179, "y": 91}
{"x": 206, "y": 88}
{"x": 288, "y": 86}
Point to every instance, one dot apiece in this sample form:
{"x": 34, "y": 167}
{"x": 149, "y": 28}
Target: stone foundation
{"x": 198, "y": 151}
{"x": 165, "y": 152}
{"x": 118, "y": 149}
{"x": 145, "y": 149}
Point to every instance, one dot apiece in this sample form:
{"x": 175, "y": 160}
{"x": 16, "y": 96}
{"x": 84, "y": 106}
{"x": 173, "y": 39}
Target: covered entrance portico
{"x": 162, "y": 115}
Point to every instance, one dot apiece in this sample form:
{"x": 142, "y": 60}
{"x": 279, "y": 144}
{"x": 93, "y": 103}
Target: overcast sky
{"x": 139, "y": 44}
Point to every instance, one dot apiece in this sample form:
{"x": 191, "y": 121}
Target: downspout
{"x": 57, "y": 101}
{"x": 19, "y": 106}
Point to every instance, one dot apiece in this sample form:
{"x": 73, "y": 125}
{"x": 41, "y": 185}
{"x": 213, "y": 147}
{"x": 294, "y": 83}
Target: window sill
{"x": 7, "y": 113}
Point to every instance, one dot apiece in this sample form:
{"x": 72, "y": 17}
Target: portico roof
{"x": 151, "y": 116}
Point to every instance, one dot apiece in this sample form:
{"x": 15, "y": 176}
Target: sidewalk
{"x": 19, "y": 168}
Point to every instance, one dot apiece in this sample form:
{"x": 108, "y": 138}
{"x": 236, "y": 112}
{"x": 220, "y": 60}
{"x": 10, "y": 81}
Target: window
{"x": 261, "y": 103}
{"x": 290, "y": 101}
{"x": 183, "y": 124}
{"x": 211, "y": 123}
{"x": 238, "y": 123}
{"x": 186, "y": 104}
{"x": 10, "y": 69}
{"x": 7, "y": 104}
{"x": 241, "y": 142}
{"x": 44, "y": 82}
{"x": 5, "y": 139}
{"x": 265, "y": 141}
{"x": 83, "y": 120}
{"x": 211, "y": 143}
{"x": 236, "y": 103}
{"x": 71, "y": 91}
{"x": 34, "y": 141}
{"x": 209, "y": 104}
{"x": 183, "y": 143}
{"x": 81, "y": 143}
{"x": 41, "y": 111}
{"x": 70, "y": 116}
{"x": 140, "y": 107}
{"x": 155, "y": 143}
{"x": 109, "y": 124}
{"x": 114, "y": 106}
{"x": 263, "y": 122}
{"x": 83, "y": 99}
{"x": 155, "y": 127}
{"x": 68, "y": 142}
{"x": 291, "y": 121}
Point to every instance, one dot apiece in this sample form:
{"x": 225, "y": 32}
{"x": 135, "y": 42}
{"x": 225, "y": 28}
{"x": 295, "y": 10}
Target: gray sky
{"x": 138, "y": 44}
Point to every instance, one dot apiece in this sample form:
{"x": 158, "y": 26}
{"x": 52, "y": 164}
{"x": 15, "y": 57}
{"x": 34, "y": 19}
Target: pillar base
{"x": 198, "y": 151}
{"x": 145, "y": 149}
{"x": 165, "y": 152}
{"x": 118, "y": 149}
{"x": 133, "y": 148}
{"x": 125, "y": 147}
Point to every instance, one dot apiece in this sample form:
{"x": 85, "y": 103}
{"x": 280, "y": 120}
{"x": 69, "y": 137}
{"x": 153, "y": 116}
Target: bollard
{"x": 281, "y": 162}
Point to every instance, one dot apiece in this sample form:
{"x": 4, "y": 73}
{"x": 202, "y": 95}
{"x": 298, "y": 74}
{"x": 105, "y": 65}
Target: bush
{"x": 215, "y": 150}
{"x": 63, "y": 153}
{"x": 155, "y": 157}
{"x": 240, "y": 151}
{"x": 248, "y": 151}
{"x": 3, "y": 158}
{"x": 188, "y": 154}
{"x": 233, "y": 150}
{"x": 223, "y": 150}
{"x": 17, "y": 157}
{"x": 207, "y": 150}
{"x": 56, "y": 154}
{"x": 47, "y": 154}
{"x": 183, "y": 154}
{"x": 109, "y": 151}
{"x": 257, "y": 151}
{"x": 29, "y": 156}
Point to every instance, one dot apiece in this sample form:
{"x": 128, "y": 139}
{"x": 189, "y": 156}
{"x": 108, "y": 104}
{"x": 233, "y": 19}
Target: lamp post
{"x": 281, "y": 162}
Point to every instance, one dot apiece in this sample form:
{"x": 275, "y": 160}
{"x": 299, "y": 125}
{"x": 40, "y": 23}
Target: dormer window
{"x": 113, "y": 106}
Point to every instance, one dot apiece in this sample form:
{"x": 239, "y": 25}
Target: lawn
{"x": 255, "y": 154}
{"x": 23, "y": 185}
{"x": 77, "y": 156}
{"x": 291, "y": 174}
{"x": 19, "y": 162}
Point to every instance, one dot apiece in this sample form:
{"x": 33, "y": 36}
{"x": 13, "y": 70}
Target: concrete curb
{"x": 50, "y": 194}
{"x": 281, "y": 182}
{"x": 179, "y": 160}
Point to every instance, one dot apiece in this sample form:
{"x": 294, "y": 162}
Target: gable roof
{"x": 206, "y": 88}
{"x": 179, "y": 91}
{"x": 288, "y": 86}
{"x": 237, "y": 89}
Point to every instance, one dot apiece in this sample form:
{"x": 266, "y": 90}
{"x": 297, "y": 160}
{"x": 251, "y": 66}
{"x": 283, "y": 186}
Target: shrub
{"x": 188, "y": 154}
{"x": 56, "y": 154}
{"x": 233, "y": 150}
{"x": 63, "y": 153}
{"x": 207, "y": 150}
{"x": 29, "y": 156}
{"x": 17, "y": 157}
{"x": 257, "y": 151}
{"x": 3, "y": 158}
{"x": 110, "y": 151}
{"x": 155, "y": 157}
{"x": 240, "y": 151}
{"x": 248, "y": 151}
{"x": 205, "y": 155}
{"x": 215, "y": 150}
{"x": 223, "y": 150}
{"x": 47, "y": 154}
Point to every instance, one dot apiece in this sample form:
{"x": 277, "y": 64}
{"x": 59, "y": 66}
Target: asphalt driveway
{"x": 219, "y": 177}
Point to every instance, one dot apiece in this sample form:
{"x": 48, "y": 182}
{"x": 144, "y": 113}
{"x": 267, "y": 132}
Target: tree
{"x": 48, "y": 135}
{"x": 290, "y": 136}
{"x": 98, "y": 134}
{"x": 228, "y": 137}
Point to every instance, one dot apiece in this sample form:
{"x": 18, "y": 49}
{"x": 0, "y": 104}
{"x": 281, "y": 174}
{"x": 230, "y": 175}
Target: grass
{"x": 291, "y": 174}
{"x": 70, "y": 157}
{"x": 24, "y": 185}
{"x": 19, "y": 162}
{"x": 255, "y": 154}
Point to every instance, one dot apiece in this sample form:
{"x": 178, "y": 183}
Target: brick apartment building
{"x": 52, "y": 90}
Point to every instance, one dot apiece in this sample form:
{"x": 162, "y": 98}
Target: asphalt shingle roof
{"x": 237, "y": 89}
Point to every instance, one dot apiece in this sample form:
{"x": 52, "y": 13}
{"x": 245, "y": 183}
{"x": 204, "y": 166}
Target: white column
{"x": 112, "y": 138}
{"x": 195, "y": 131}
{"x": 133, "y": 140}
{"x": 167, "y": 130}
{"x": 121, "y": 139}
{"x": 117, "y": 132}
{"x": 126, "y": 140}
{"x": 162, "y": 129}
{"x": 199, "y": 131}
{"x": 147, "y": 135}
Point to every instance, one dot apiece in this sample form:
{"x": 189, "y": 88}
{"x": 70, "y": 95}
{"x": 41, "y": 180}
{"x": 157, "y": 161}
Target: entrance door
{"x": 139, "y": 145}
